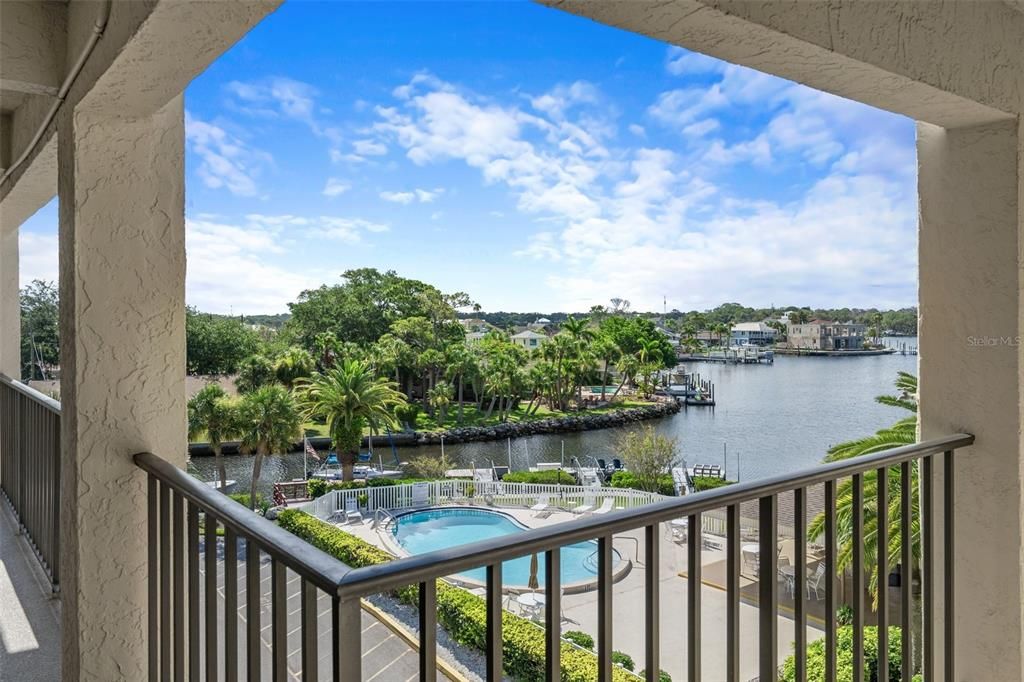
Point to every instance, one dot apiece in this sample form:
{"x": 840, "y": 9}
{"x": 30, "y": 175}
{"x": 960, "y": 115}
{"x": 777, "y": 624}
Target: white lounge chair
{"x": 543, "y": 506}
{"x": 352, "y": 513}
{"x": 606, "y": 506}
{"x": 587, "y": 506}
{"x": 814, "y": 582}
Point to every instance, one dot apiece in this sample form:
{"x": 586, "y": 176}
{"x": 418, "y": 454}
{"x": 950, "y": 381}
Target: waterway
{"x": 770, "y": 419}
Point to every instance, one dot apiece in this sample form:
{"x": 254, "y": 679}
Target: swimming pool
{"x": 431, "y": 529}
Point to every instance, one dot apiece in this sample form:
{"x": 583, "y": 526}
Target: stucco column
{"x": 971, "y": 375}
{"x": 10, "y": 308}
{"x": 122, "y": 319}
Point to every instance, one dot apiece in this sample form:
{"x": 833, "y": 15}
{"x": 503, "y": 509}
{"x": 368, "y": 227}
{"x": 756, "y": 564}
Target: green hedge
{"x": 844, "y": 657}
{"x": 550, "y": 477}
{"x": 462, "y": 614}
{"x": 709, "y": 482}
{"x": 579, "y": 638}
{"x": 627, "y": 479}
{"x": 316, "y": 487}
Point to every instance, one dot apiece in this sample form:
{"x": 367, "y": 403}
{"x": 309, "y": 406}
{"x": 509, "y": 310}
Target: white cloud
{"x": 345, "y": 229}
{"x": 541, "y": 246}
{"x": 398, "y": 197}
{"x": 701, "y": 128}
{"x": 225, "y": 161}
{"x": 637, "y": 130}
{"x": 679, "y": 61}
{"x": 369, "y": 148}
{"x": 285, "y": 98}
{"x": 427, "y": 196}
{"x": 335, "y": 187}
{"x": 37, "y": 256}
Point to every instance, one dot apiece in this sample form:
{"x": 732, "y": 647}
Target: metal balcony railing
{"x": 176, "y": 500}
{"x": 30, "y": 468}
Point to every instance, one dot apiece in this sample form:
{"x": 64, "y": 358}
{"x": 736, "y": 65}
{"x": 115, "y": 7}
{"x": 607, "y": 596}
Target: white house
{"x": 752, "y": 334}
{"x": 529, "y": 339}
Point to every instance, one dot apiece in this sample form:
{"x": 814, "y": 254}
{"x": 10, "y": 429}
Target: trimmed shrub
{"x": 709, "y": 482}
{"x": 550, "y": 477}
{"x": 627, "y": 479}
{"x": 625, "y": 660}
{"x": 316, "y": 487}
{"x": 844, "y": 657}
{"x": 662, "y": 676}
{"x": 243, "y": 499}
{"x": 579, "y": 638}
{"x": 462, "y": 614}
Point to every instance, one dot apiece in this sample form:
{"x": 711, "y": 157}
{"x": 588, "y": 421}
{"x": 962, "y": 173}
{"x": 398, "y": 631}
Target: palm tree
{"x": 268, "y": 422}
{"x": 212, "y": 412}
{"x": 608, "y": 352}
{"x": 295, "y": 363}
{"x": 903, "y": 432}
{"x": 461, "y": 364}
{"x": 255, "y": 371}
{"x": 440, "y": 397}
{"x": 350, "y": 398}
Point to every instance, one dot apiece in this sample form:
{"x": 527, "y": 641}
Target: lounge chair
{"x": 606, "y": 506}
{"x": 543, "y": 506}
{"x": 352, "y": 513}
{"x": 814, "y": 582}
{"x": 587, "y": 506}
{"x": 617, "y": 464}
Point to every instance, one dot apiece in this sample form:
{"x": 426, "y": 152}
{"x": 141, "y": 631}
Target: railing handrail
{"x": 320, "y": 568}
{"x": 421, "y": 567}
{"x": 31, "y": 393}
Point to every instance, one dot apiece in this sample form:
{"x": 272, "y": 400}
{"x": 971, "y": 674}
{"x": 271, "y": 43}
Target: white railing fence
{"x": 496, "y": 493}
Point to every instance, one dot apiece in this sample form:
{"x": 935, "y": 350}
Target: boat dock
{"x": 690, "y": 389}
{"x": 737, "y": 355}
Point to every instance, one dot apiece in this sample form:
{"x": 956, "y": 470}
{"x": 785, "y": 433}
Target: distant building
{"x": 473, "y": 338}
{"x": 825, "y": 335}
{"x": 541, "y": 324}
{"x": 529, "y": 339}
{"x": 475, "y": 324}
{"x": 752, "y": 334}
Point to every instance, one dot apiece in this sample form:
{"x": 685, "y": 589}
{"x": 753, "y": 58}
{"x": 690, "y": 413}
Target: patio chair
{"x": 816, "y": 580}
{"x": 352, "y": 513}
{"x": 543, "y": 506}
{"x": 606, "y": 506}
{"x": 587, "y": 506}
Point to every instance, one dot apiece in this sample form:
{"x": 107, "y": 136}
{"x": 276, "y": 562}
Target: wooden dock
{"x": 747, "y": 355}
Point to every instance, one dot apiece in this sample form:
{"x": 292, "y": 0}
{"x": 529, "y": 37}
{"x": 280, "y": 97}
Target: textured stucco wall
{"x": 122, "y": 287}
{"x": 949, "y": 63}
{"x": 10, "y": 311}
{"x": 970, "y": 367}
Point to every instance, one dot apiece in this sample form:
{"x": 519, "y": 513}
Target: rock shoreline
{"x": 471, "y": 434}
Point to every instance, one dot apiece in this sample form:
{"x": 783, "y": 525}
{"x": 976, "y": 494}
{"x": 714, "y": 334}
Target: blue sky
{"x": 536, "y": 160}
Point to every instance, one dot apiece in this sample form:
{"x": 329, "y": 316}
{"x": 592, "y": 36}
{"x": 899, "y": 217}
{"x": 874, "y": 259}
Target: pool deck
{"x": 580, "y": 610}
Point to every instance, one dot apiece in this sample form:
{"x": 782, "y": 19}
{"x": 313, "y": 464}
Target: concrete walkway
{"x": 29, "y": 615}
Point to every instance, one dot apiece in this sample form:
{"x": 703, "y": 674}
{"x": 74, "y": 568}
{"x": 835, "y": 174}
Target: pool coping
{"x": 620, "y": 571}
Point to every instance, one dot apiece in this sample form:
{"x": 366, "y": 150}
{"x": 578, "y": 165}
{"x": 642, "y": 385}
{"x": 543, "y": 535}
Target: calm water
{"x": 425, "y": 531}
{"x": 769, "y": 419}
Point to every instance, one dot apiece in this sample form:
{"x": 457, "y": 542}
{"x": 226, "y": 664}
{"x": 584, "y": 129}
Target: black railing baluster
{"x": 153, "y": 577}
{"x": 346, "y": 649}
{"x": 553, "y": 615}
{"x": 192, "y": 541}
{"x": 906, "y": 572}
{"x": 230, "y": 604}
{"x": 604, "y": 608}
{"x": 165, "y": 582}
{"x": 830, "y": 581}
{"x": 309, "y": 631}
{"x": 652, "y": 602}
{"x": 694, "y": 540}
{"x": 768, "y": 605}
{"x": 857, "y": 598}
{"x": 882, "y": 567}
{"x": 278, "y": 621}
{"x": 732, "y": 593}
{"x": 494, "y": 641}
{"x": 949, "y": 552}
{"x": 800, "y": 583}
{"x": 428, "y": 631}
{"x": 253, "y": 645}
{"x": 928, "y": 566}
{"x": 179, "y": 597}
{"x": 210, "y": 588}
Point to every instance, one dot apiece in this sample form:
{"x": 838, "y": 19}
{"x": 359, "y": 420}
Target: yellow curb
{"x": 811, "y": 619}
{"x": 410, "y": 639}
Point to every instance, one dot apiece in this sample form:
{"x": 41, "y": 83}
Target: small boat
{"x": 228, "y": 488}
{"x": 332, "y": 470}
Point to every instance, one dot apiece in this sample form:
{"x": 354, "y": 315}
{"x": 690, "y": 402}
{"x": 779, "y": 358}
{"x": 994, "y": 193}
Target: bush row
{"x": 844, "y": 657}
{"x": 627, "y": 479}
{"x": 316, "y": 487}
{"x": 549, "y": 476}
{"x": 708, "y": 482}
{"x": 462, "y": 614}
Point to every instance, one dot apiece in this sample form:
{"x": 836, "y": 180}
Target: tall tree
{"x": 40, "y": 333}
{"x": 295, "y": 363}
{"x": 268, "y": 422}
{"x": 212, "y": 412}
{"x": 253, "y": 373}
{"x": 350, "y": 398}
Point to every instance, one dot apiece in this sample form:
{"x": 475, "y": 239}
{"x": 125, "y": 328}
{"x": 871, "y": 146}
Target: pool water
{"x": 433, "y": 529}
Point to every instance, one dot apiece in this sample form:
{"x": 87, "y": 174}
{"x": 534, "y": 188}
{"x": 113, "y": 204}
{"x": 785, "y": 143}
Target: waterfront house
{"x": 98, "y": 485}
{"x": 752, "y": 334}
{"x": 529, "y": 339}
{"x": 826, "y": 335}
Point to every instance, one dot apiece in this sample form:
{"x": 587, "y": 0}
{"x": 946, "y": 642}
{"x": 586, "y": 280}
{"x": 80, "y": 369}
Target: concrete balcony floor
{"x": 29, "y": 615}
